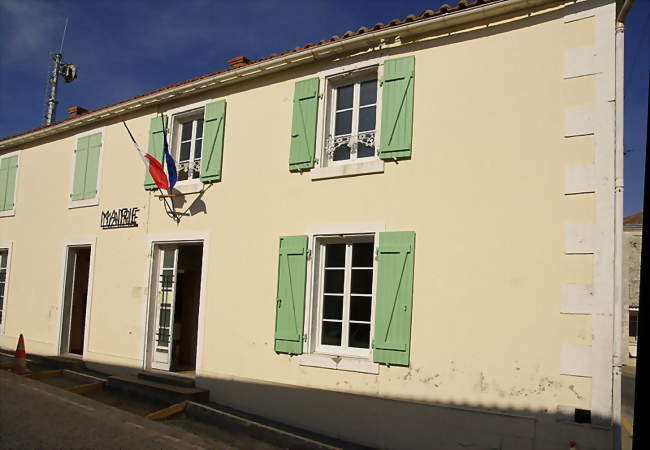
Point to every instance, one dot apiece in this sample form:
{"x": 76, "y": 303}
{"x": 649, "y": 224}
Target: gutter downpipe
{"x": 456, "y": 18}
{"x": 618, "y": 313}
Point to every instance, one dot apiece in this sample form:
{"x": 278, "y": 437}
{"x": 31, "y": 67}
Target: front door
{"x": 165, "y": 298}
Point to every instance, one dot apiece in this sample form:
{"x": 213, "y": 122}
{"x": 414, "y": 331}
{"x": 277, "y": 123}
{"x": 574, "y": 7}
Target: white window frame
{"x": 12, "y": 212}
{"x": 317, "y": 356}
{"x": 5, "y": 246}
{"x": 174, "y": 118}
{"x": 344, "y": 349}
{"x": 329, "y": 80}
{"x": 72, "y": 204}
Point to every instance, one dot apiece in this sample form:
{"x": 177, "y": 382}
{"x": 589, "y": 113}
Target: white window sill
{"x": 347, "y": 170}
{"x": 339, "y": 363}
{"x": 83, "y": 203}
{"x": 8, "y": 213}
{"x": 185, "y": 187}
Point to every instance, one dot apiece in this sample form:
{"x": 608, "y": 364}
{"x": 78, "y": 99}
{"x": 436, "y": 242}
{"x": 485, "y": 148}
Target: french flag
{"x": 154, "y": 166}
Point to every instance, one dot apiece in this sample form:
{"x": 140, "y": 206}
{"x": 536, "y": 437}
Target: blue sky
{"x": 123, "y": 48}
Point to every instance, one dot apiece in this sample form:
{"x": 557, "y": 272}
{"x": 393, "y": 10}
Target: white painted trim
{"x": 12, "y": 212}
{"x": 577, "y": 299}
{"x": 579, "y": 179}
{"x": 579, "y": 121}
{"x": 340, "y": 68}
{"x": 6, "y": 245}
{"x": 345, "y": 229}
{"x": 578, "y": 238}
{"x": 171, "y": 238}
{"x": 579, "y": 62}
{"x": 72, "y": 204}
{"x": 576, "y": 360}
{"x": 375, "y": 165}
{"x": 192, "y": 107}
{"x": 362, "y": 365}
{"x": 67, "y": 244}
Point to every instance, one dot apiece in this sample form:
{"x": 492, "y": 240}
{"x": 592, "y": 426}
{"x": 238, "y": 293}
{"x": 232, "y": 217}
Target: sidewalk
{"x": 35, "y": 415}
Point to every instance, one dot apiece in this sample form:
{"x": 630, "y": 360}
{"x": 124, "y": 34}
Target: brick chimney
{"x": 238, "y": 61}
{"x": 75, "y": 111}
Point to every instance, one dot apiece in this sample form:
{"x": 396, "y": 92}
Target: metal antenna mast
{"x": 59, "y": 69}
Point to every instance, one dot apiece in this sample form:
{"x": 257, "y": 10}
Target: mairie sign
{"x": 120, "y": 218}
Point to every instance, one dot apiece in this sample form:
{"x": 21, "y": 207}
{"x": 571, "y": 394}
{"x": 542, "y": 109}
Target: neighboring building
{"x": 632, "y": 238}
{"x": 402, "y": 237}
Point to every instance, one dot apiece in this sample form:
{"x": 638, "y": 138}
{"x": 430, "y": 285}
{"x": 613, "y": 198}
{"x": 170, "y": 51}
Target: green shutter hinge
{"x": 304, "y": 337}
{"x": 308, "y": 254}
{"x": 373, "y": 343}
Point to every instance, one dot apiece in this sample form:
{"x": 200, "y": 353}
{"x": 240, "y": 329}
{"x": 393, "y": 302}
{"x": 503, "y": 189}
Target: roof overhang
{"x": 451, "y": 19}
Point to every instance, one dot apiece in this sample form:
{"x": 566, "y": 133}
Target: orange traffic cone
{"x": 20, "y": 362}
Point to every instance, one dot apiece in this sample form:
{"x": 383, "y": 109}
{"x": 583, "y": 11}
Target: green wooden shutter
{"x": 80, "y": 163}
{"x": 290, "y": 299}
{"x": 303, "y": 126}
{"x": 156, "y": 142}
{"x": 8, "y": 169}
{"x": 392, "y": 340}
{"x": 92, "y": 165}
{"x": 397, "y": 108}
{"x": 214, "y": 120}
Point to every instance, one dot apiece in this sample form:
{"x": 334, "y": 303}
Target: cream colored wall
{"x": 484, "y": 192}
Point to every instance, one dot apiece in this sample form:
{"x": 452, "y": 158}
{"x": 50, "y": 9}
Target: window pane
{"x": 198, "y": 146}
{"x": 359, "y": 335}
{"x": 3, "y": 276}
{"x": 182, "y": 174}
{"x": 343, "y": 123}
{"x": 341, "y": 153}
{"x": 185, "y": 152}
{"x": 3, "y": 259}
{"x": 186, "y": 131}
{"x": 367, "y": 118}
{"x": 334, "y": 281}
{"x": 333, "y": 307}
{"x": 335, "y": 255}
{"x": 361, "y": 281}
{"x": 168, "y": 259}
{"x": 344, "y": 97}
{"x": 199, "y": 128}
{"x": 360, "y": 308}
{"x": 363, "y": 151}
{"x": 362, "y": 254}
{"x": 368, "y": 93}
{"x": 331, "y": 333}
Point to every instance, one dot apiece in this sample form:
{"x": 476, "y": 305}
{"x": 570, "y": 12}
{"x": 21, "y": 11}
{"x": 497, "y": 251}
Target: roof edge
{"x": 274, "y": 64}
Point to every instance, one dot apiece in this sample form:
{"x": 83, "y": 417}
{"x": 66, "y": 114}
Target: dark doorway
{"x": 75, "y": 300}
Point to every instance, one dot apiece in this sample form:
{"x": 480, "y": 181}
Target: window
{"x": 634, "y": 324}
{"x": 352, "y": 118}
{"x": 345, "y": 296}
{"x": 8, "y": 174}
{"x": 4, "y": 256}
{"x": 188, "y": 145}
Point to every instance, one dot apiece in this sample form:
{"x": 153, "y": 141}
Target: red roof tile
{"x": 634, "y": 219}
{"x": 426, "y": 14}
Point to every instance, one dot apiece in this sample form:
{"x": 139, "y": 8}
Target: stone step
{"x": 167, "y": 379}
{"x": 155, "y": 391}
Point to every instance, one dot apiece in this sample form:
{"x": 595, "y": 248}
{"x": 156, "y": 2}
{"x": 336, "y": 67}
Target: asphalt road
{"x": 35, "y": 415}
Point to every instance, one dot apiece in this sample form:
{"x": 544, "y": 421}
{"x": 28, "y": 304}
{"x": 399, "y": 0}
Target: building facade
{"x": 320, "y": 261}
{"x": 632, "y": 241}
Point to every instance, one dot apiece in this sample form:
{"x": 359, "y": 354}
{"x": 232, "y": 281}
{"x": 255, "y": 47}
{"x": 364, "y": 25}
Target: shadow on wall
{"x": 391, "y": 423}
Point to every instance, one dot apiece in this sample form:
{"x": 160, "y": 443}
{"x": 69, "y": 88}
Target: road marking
{"x": 628, "y": 426}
